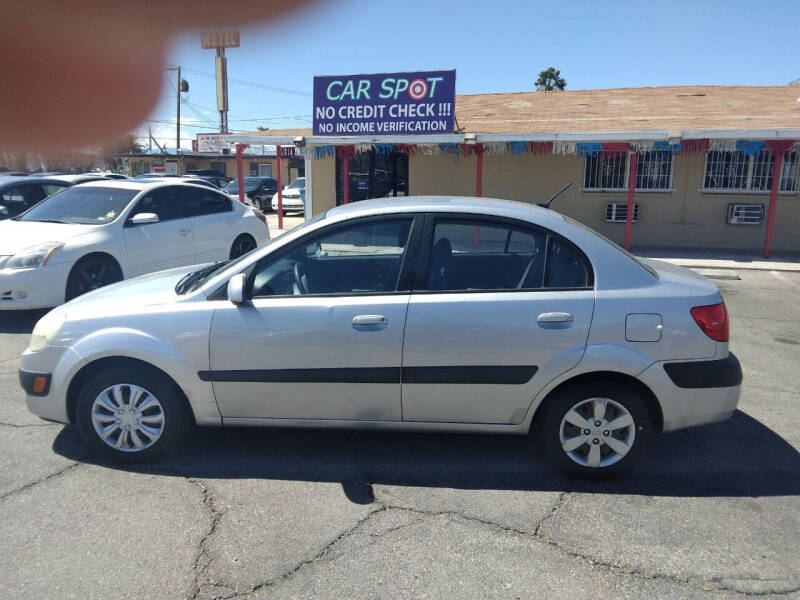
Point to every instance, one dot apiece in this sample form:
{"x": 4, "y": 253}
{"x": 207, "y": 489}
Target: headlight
{"x": 46, "y": 330}
{"x": 35, "y": 256}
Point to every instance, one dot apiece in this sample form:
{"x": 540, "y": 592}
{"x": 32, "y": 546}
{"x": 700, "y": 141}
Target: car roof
{"x": 142, "y": 184}
{"x": 446, "y": 204}
{"x": 9, "y": 181}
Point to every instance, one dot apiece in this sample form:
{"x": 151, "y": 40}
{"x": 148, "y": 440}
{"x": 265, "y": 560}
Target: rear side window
{"x": 473, "y": 254}
{"x": 205, "y": 201}
{"x": 52, "y": 188}
{"x": 565, "y": 267}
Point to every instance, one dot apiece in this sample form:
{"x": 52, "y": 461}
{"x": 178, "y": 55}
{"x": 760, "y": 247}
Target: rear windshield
{"x": 81, "y": 204}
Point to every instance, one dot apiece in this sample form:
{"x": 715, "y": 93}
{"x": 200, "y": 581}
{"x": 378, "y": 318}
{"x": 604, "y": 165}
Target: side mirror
{"x": 143, "y": 218}
{"x": 236, "y": 288}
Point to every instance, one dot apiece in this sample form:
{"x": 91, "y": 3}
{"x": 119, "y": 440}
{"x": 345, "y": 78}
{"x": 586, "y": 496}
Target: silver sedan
{"x": 423, "y": 314}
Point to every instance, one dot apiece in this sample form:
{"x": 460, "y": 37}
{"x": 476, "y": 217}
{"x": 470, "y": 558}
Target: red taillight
{"x": 713, "y": 320}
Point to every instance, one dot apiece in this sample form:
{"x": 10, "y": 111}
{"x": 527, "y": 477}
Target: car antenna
{"x": 554, "y": 196}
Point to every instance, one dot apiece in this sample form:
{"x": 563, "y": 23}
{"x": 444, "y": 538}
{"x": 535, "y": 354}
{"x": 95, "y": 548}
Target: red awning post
{"x": 777, "y": 147}
{"x": 479, "y": 170}
{"x": 280, "y": 186}
{"x": 240, "y": 148}
{"x": 344, "y": 153}
{"x": 634, "y": 159}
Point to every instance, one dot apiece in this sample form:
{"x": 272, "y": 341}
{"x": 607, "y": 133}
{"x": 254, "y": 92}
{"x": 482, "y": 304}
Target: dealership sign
{"x": 212, "y": 142}
{"x": 385, "y": 103}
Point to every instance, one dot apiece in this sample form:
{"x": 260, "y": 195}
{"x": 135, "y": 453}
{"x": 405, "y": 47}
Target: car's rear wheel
{"x": 243, "y": 244}
{"x": 91, "y": 273}
{"x": 595, "y": 430}
{"x": 131, "y": 415}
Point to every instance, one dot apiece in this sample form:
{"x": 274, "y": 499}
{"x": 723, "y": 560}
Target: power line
{"x": 253, "y": 84}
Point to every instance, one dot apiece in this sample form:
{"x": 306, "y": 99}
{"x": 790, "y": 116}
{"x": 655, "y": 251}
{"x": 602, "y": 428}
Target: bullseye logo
{"x": 418, "y": 89}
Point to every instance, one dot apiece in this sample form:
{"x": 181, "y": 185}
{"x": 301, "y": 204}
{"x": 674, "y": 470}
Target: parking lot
{"x": 711, "y": 512}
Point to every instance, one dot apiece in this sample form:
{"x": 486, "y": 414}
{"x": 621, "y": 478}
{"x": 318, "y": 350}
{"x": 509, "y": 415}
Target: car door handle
{"x": 359, "y": 320}
{"x": 184, "y": 232}
{"x": 555, "y": 317}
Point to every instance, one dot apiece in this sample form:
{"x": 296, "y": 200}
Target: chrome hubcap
{"x": 597, "y": 432}
{"x": 127, "y": 417}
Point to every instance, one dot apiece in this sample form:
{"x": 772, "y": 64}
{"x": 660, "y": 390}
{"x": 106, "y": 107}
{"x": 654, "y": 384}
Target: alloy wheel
{"x": 597, "y": 432}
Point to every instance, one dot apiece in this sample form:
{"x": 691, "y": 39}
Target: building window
{"x": 253, "y": 169}
{"x": 189, "y": 166}
{"x": 609, "y": 171}
{"x": 219, "y": 166}
{"x": 735, "y": 171}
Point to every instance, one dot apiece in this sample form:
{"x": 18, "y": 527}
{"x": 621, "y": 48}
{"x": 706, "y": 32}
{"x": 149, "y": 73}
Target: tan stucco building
{"x": 698, "y": 161}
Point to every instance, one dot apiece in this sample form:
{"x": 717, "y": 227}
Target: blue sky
{"x": 495, "y": 46}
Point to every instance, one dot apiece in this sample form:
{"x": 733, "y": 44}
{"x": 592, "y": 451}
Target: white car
{"x": 294, "y": 196}
{"x": 417, "y": 314}
{"x": 97, "y": 233}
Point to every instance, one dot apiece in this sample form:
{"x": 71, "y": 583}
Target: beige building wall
{"x": 685, "y": 217}
{"x": 323, "y": 184}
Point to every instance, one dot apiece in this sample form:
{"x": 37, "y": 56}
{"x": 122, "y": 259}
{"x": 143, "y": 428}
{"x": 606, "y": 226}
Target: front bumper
{"x": 695, "y": 392}
{"x": 290, "y": 203}
{"x": 58, "y": 364}
{"x": 39, "y": 287}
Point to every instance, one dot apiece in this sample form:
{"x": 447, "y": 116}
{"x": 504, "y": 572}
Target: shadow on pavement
{"x": 19, "y": 321}
{"x": 740, "y": 457}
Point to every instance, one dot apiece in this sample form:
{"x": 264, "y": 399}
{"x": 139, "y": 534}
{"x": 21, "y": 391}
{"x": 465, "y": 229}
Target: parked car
{"x": 196, "y": 180}
{"x": 18, "y": 195}
{"x": 154, "y": 175}
{"x": 258, "y": 189}
{"x": 294, "y": 196}
{"x": 420, "y": 314}
{"x": 108, "y": 174}
{"x": 97, "y": 233}
{"x": 209, "y": 173}
{"x": 76, "y": 179}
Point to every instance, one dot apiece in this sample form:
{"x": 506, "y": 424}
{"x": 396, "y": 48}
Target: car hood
{"x": 19, "y": 235}
{"x": 146, "y": 290}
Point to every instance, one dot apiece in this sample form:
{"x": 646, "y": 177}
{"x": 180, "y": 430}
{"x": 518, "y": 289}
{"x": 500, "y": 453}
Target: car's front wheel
{"x": 595, "y": 430}
{"x": 90, "y": 273}
{"x": 132, "y": 415}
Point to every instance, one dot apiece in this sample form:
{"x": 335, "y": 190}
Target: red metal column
{"x": 280, "y": 186}
{"x": 479, "y": 170}
{"x": 778, "y": 148}
{"x": 240, "y": 170}
{"x": 345, "y": 178}
{"x": 633, "y": 159}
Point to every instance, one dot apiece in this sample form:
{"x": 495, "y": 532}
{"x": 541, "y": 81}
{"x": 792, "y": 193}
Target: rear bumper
{"x": 696, "y": 392}
{"x": 723, "y": 373}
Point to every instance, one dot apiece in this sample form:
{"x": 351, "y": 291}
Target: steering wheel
{"x": 301, "y": 278}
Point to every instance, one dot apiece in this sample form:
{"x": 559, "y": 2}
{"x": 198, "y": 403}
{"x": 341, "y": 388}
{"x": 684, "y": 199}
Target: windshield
{"x": 298, "y": 183}
{"x": 81, "y": 204}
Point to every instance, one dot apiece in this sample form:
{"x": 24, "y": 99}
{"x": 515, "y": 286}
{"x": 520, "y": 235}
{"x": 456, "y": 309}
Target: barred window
{"x": 735, "y": 171}
{"x": 609, "y": 171}
{"x": 606, "y": 171}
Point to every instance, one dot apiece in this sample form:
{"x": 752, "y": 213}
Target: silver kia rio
{"x": 420, "y": 314}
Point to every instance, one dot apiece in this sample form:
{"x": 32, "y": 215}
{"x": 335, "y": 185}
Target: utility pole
{"x": 182, "y": 86}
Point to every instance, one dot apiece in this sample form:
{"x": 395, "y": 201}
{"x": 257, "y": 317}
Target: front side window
{"x": 736, "y": 171}
{"x": 86, "y": 205}
{"x": 469, "y": 255}
{"x": 360, "y": 258}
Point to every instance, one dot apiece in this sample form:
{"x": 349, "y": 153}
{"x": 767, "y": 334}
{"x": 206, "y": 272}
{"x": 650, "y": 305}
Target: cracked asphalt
{"x": 712, "y": 512}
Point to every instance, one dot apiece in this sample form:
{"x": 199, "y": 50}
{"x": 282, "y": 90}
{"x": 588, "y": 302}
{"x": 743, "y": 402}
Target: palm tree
{"x": 550, "y": 80}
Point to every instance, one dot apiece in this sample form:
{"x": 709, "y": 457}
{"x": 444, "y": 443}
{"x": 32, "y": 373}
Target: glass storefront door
{"x": 371, "y": 175}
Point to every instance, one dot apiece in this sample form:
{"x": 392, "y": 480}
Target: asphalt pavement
{"x": 711, "y": 512}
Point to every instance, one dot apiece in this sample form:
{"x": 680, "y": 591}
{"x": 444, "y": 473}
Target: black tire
{"x": 177, "y": 417}
{"x": 243, "y": 244}
{"x": 548, "y": 430}
{"x": 90, "y": 273}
